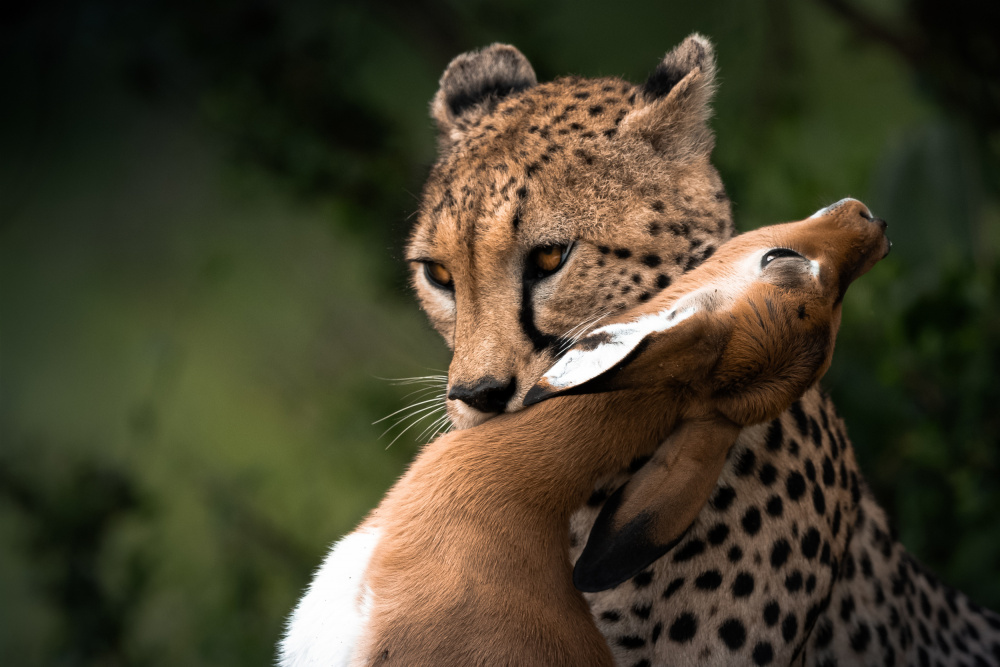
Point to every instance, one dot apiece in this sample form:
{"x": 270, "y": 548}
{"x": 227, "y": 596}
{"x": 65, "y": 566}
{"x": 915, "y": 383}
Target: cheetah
{"x": 554, "y": 205}
{"x": 482, "y": 512}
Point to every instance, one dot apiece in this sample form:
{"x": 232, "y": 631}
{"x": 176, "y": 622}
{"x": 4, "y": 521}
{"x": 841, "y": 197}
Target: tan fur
{"x": 471, "y": 567}
{"x": 649, "y": 188}
{"x": 590, "y": 161}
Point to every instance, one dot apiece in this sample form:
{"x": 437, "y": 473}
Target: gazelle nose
{"x": 487, "y": 395}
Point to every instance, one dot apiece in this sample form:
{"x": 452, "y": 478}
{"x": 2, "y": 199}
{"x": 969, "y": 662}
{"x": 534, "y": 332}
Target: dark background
{"x": 201, "y": 213}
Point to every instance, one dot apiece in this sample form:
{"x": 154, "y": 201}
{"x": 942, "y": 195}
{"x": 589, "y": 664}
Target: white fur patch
{"x": 324, "y": 629}
{"x": 580, "y": 365}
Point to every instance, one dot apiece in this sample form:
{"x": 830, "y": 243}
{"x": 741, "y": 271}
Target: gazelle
{"x": 465, "y": 561}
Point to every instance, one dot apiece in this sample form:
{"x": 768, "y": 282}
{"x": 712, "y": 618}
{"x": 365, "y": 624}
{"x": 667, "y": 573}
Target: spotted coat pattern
{"x": 792, "y": 561}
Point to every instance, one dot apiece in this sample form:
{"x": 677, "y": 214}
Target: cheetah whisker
{"x": 408, "y": 407}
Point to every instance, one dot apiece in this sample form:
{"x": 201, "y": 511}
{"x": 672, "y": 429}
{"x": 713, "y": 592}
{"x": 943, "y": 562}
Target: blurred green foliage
{"x": 202, "y": 207}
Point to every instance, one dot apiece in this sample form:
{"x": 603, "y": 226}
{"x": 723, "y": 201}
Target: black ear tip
{"x": 696, "y": 51}
{"x": 539, "y": 393}
{"x": 494, "y": 72}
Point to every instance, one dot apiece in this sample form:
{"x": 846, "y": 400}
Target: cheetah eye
{"x": 777, "y": 253}
{"x": 548, "y": 259}
{"x": 438, "y": 275}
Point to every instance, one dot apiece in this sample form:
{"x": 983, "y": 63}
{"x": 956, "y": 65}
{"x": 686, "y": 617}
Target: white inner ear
{"x": 831, "y": 207}
{"x": 581, "y": 364}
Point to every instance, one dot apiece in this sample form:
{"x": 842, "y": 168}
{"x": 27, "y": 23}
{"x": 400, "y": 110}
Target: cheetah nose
{"x": 487, "y": 394}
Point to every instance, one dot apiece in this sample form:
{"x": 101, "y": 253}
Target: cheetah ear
{"x": 650, "y": 514}
{"x": 474, "y": 82}
{"x": 677, "y": 97}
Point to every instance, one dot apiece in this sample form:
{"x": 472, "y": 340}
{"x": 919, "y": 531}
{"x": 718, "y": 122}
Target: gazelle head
{"x": 751, "y": 328}
{"x": 732, "y": 344}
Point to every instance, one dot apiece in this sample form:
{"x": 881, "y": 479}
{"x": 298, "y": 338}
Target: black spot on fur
{"x": 801, "y": 421}
{"x": 723, "y": 498}
{"x": 751, "y": 521}
{"x": 780, "y": 551}
{"x": 745, "y": 462}
{"x": 810, "y": 543}
{"x": 743, "y": 585}
{"x": 795, "y": 485}
{"x": 708, "y": 581}
{"x": 684, "y": 628}
{"x": 611, "y": 616}
{"x": 631, "y": 642}
{"x": 763, "y": 654}
{"x": 662, "y": 281}
{"x": 652, "y": 261}
{"x": 643, "y": 579}
{"x": 718, "y": 534}
{"x": 824, "y": 634}
{"x": 735, "y": 554}
{"x": 775, "y": 436}
{"x": 642, "y": 611}
{"x": 819, "y": 500}
{"x": 860, "y": 638}
{"x": 793, "y": 582}
{"x": 789, "y": 628}
{"x": 775, "y": 506}
{"x": 846, "y": 608}
{"x": 689, "y": 551}
{"x": 623, "y": 253}
{"x": 733, "y": 634}
{"x": 768, "y": 473}
{"x": 772, "y": 612}
{"x": 673, "y": 587}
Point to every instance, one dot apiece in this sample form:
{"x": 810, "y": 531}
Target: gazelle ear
{"x": 473, "y": 83}
{"x": 649, "y": 515}
{"x": 676, "y": 102}
{"x": 592, "y": 364}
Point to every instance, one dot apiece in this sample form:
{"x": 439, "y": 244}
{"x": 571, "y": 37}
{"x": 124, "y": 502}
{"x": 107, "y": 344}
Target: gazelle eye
{"x": 438, "y": 275}
{"x": 777, "y": 253}
{"x": 548, "y": 259}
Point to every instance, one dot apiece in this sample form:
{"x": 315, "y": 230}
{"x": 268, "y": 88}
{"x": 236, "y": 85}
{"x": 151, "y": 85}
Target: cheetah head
{"x": 554, "y": 205}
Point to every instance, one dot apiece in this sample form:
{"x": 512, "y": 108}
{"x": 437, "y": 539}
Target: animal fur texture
{"x": 471, "y": 564}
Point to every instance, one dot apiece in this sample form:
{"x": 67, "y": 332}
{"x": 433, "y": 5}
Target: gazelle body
{"x": 465, "y": 561}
